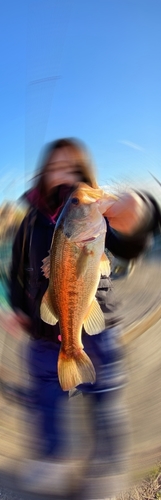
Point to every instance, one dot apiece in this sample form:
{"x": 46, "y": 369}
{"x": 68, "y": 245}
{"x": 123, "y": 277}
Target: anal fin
{"x": 94, "y": 322}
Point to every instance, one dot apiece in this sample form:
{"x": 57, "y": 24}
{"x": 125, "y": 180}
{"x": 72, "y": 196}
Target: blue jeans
{"x": 50, "y": 401}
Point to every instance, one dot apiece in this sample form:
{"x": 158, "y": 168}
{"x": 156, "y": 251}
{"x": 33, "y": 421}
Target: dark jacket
{"x": 31, "y": 246}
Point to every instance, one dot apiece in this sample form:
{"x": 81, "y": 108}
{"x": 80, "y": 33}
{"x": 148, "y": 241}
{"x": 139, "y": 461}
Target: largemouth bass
{"x": 77, "y": 260}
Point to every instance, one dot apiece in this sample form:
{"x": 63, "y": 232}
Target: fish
{"x": 75, "y": 263}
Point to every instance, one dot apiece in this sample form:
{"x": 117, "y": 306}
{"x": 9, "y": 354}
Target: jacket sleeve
{"x": 130, "y": 247}
{"x": 16, "y": 275}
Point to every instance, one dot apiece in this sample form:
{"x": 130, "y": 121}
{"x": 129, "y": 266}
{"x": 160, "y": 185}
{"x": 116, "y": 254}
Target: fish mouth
{"x": 89, "y": 239}
{"x": 82, "y": 243}
{"x": 85, "y": 240}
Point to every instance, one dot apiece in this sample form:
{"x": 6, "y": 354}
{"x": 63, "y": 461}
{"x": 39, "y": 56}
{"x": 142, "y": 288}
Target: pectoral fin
{"x": 105, "y": 267}
{"x": 47, "y": 312}
{"x": 82, "y": 262}
{"x": 94, "y": 322}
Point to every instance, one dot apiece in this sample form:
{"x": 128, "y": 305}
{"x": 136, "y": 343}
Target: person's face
{"x": 61, "y": 169}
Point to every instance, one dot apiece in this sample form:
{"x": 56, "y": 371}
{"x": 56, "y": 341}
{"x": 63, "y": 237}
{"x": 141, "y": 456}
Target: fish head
{"x": 81, "y": 218}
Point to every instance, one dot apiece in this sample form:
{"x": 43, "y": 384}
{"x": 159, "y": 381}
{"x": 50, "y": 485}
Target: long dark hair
{"x": 83, "y": 162}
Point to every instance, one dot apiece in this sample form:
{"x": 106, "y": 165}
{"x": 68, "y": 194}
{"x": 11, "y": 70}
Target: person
{"x": 62, "y": 165}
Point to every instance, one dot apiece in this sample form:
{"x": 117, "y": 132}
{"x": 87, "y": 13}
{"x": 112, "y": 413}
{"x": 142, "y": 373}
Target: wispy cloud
{"x": 132, "y": 145}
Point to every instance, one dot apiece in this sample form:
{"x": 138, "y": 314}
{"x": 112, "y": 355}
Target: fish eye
{"x": 75, "y": 201}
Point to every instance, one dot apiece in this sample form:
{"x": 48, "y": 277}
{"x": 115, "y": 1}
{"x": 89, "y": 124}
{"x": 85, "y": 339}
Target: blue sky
{"x": 84, "y": 68}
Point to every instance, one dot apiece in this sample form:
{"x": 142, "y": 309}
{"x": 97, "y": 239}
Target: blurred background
{"x": 89, "y": 70}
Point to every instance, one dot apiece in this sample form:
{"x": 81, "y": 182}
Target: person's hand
{"x": 14, "y": 323}
{"x": 127, "y": 214}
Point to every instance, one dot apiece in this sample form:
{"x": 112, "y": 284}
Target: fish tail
{"x": 75, "y": 370}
